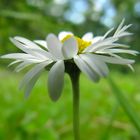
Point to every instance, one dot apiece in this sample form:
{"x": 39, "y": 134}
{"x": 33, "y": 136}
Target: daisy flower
{"x": 65, "y": 52}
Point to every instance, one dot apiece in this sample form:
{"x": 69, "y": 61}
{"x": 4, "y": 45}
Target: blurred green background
{"x": 38, "y": 118}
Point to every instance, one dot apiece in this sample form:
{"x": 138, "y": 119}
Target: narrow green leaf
{"x": 125, "y": 105}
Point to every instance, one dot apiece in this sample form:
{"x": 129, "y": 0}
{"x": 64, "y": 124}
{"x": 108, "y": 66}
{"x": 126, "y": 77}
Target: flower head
{"x": 90, "y": 54}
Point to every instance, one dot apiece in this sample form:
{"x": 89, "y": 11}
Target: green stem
{"x": 76, "y": 100}
{"x": 125, "y": 105}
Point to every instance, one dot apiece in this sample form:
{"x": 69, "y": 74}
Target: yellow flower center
{"x": 82, "y": 44}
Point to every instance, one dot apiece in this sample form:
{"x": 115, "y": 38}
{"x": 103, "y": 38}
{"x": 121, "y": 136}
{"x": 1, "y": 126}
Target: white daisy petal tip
{"x": 88, "y": 36}
{"x": 63, "y": 34}
{"x": 17, "y": 37}
{"x": 56, "y": 80}
{"x": 2, "y": 56}
{"x": 137, "y": 52}
{"x": 50, "y": 35}
{"x": 54, "y": 46}
{"x": 11, "y": 39}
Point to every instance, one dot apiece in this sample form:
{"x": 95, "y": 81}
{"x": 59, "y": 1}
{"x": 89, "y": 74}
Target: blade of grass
{"x": 127, "y": 107}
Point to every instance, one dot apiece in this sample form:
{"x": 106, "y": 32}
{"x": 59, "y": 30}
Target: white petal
{"x": 88, "y": 36}
{"x": 25, "y": 48}
{"x": 23, "y": 57}
{"x": 27, "y": 42}
{"x": 108, "y": 32}
{"x": 132, "y": 52}
{"x": 42, "y": 43}
{"x": 125, "y": 27}
{"x": 22, "y": 65}
{"x": 101, "y": 65}
{"x": 34, "y": 61}
{"x": 31, "y": 83}
{"x": 14, "y": 62}
{"x": 56, "y": 80}
{"x": 86, "y": 69}
{"x": 96, "y": 39}
{"x": 119, "y": 27}
{"x": 45, "y": 55}
{"x": 20, "y": 46}
{"x": 35, "y": 70}
{"x": 102, "y": 47}
{"x": 28, "y": 47}
{"x": 96, "y": 64}
{"x": 100, "y": 44}
{"x": 131, "y": 67}
{"x": 63, "y": 34}
{"x": 35, "y": 48}
{"x": 18, "y": 56}
{"x": 115, "y": 60}
{"x": 70, "y": 48}
{"x": 121, "y": 30}
{"x": 54, "y": 46}
{"x": 124, "y": 34}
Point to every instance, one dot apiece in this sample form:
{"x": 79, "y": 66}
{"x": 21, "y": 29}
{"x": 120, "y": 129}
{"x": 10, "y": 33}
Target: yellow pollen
{"x": 82, "y": 44}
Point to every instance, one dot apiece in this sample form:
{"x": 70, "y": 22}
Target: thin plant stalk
{"x": 127, "y": 107}
{"x": 76, "y": 101}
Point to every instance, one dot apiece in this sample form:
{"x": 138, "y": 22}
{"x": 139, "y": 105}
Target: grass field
{"x": 38, "y": 118}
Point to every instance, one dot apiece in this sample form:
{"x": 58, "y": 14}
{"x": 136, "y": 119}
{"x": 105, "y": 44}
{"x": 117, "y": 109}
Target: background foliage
{"x": 35, "y": 19}
{"x": 38, "y": 118}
